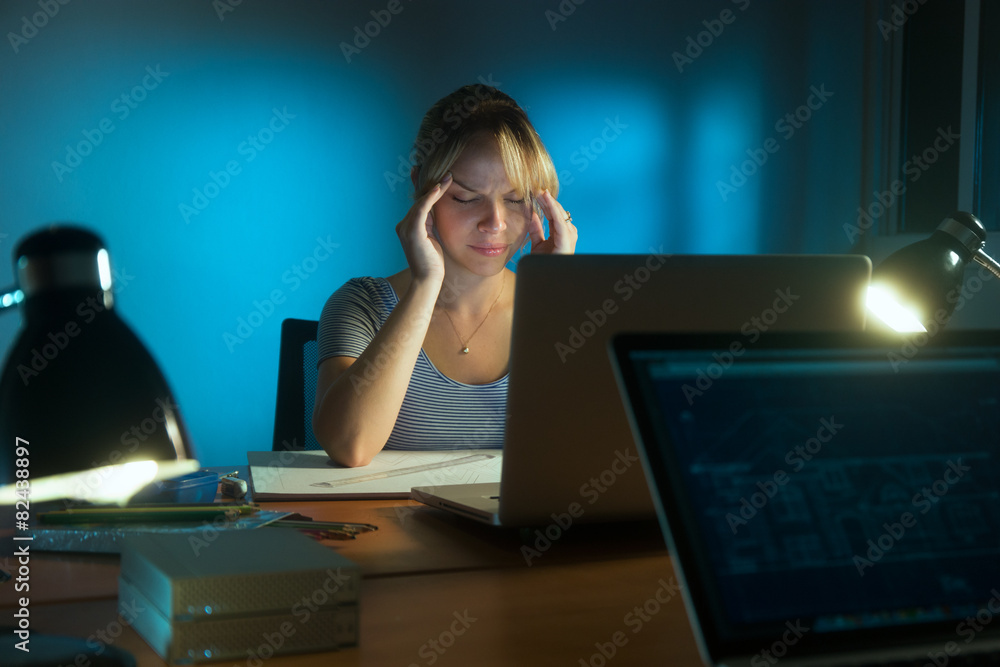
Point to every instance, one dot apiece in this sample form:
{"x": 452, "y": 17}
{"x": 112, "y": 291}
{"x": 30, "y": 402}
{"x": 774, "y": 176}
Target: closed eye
{"x": 513, "y": 202}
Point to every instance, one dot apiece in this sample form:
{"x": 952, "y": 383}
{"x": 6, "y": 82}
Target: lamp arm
{"x": 991, "y": 264}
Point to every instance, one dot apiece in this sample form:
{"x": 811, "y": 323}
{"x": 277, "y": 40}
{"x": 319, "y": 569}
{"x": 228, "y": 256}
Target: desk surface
{"x": 428, "y": 575}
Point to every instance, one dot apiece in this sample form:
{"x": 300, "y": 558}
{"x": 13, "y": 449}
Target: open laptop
{"x": 827, "y": 499}
{"x": 568, "y": 448}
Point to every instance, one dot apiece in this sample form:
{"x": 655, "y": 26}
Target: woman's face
{"x": 481, "y": 220}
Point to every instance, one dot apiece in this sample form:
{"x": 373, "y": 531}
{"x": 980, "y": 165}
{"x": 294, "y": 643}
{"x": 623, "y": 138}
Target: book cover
{"x": 252, "y": 638}
{"x": 224, "y": 573}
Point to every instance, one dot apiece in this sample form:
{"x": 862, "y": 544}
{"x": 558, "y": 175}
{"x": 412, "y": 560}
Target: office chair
{"x": 297, "y": 377}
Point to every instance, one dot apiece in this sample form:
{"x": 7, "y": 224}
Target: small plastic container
{"x": 195, "y": 487}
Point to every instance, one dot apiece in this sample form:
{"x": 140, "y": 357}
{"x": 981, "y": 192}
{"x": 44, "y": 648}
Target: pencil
{"x": 144, "y": 514}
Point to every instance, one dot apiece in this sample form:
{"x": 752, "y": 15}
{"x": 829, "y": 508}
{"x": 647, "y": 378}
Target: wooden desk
{"x": 438, "y": 590}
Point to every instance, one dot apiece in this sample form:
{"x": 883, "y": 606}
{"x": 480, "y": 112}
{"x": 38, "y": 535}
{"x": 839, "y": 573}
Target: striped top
{"x": 437, "y": 412}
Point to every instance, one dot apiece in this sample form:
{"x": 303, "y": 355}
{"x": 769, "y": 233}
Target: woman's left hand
{"x": 562, "y": 232}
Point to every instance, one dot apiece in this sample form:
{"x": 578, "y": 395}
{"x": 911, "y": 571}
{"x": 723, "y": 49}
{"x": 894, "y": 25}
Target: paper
{"x": 312, "y": 475}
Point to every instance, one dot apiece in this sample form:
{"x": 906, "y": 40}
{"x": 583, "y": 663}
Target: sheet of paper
{"x": 391, "y": 474}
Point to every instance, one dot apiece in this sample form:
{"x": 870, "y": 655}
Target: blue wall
{"x": 165, "y": 97}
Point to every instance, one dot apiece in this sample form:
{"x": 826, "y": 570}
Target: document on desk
{"x": 311, "y": 475}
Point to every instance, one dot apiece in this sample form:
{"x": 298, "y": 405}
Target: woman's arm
{"x": 358, "y": 400}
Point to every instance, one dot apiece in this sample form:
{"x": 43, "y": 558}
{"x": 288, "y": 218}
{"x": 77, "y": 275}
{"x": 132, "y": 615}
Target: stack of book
{"x": 247, "y": 594}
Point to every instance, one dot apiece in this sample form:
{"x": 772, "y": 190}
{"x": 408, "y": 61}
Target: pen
{"x": 334, "y": 525}
{"x": 329, "y": 534}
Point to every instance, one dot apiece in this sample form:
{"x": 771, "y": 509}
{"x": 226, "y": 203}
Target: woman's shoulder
{"x": 364, "y": 296}
{"x": 365, "y": 288}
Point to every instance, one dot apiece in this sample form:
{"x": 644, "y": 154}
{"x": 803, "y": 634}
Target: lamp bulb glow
{"x": 883, "y": 303}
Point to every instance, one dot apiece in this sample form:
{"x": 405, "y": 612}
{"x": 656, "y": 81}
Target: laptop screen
{"x": 832, "y": 485}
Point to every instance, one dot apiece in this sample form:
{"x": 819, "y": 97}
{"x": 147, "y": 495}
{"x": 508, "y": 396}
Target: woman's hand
{"x": 562, "y": 232}
{"x": 416, "y": 234}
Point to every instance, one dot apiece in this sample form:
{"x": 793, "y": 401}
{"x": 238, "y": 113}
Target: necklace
{"x": 465, "y": 342}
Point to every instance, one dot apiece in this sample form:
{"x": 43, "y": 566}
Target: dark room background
{"x": 246, "y": 157}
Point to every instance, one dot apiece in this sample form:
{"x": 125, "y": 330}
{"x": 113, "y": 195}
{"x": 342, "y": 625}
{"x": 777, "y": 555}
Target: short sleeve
{"x": 350, "y": 319}
{"x": 437, "y": 412}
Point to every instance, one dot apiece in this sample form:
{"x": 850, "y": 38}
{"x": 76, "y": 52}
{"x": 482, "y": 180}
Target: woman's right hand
{"x": 416, "y": 234}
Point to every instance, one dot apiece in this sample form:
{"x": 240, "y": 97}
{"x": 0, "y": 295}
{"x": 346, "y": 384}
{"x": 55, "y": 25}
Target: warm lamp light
{"x": 105, "y": 485}
{"x": 916, "y": 288}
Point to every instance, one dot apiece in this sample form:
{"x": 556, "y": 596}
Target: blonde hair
{"x": 457, "y": 119}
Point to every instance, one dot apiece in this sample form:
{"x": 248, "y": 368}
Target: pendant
{"x": 465, "y": 350}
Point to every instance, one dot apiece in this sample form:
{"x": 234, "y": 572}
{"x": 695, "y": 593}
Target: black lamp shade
{"x": 77, "y": 383}
{"x": 926, "y": 276}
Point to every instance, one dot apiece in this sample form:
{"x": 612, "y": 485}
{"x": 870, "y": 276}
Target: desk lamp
{"x": 79, "y": 391}
{"x": 916, "y": 288}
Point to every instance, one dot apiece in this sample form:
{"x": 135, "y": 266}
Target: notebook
{"x": 568, "y": 451}
{"x": 827, "y": 499}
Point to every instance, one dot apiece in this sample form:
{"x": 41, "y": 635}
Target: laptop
{"x": 568, "y": 451}
{"x": 827, "y": 499}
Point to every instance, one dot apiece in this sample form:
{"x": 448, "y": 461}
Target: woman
{"x": 419, "y": 360}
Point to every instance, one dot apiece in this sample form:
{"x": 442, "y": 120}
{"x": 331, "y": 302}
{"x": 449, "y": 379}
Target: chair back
{"x": 297, "y": 377}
